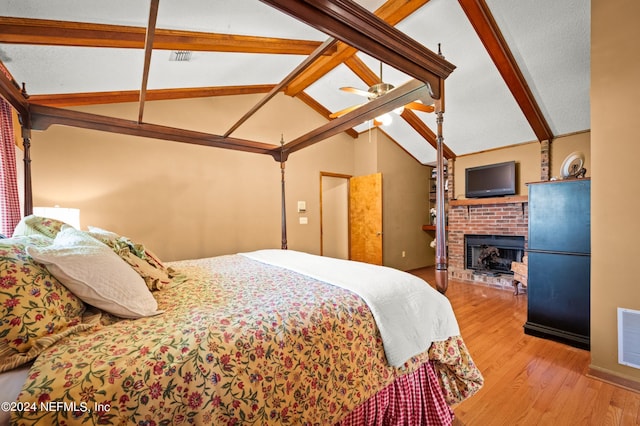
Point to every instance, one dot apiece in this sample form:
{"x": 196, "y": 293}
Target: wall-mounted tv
{"x": 492, "y": 180}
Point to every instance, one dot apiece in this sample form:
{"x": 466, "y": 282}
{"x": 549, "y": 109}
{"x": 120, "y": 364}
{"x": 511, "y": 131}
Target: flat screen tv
{"x": 492, "y": 180}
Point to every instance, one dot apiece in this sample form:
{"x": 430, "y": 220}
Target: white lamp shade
{"x": 67, "y": 215}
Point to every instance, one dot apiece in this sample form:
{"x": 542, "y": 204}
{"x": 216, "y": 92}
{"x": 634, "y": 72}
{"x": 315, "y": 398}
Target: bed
{"x": 266, "y": 337}
{"x": 95, "y": 329}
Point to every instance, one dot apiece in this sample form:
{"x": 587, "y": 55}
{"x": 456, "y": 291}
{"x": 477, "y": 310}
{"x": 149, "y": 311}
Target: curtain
{"x": 9, "y": 197}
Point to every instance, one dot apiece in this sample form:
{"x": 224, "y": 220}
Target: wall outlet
{"x": 404, "y": 253}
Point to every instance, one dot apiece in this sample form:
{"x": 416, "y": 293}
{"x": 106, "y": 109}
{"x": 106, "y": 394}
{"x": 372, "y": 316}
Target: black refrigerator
{"x": 559, "y": 262}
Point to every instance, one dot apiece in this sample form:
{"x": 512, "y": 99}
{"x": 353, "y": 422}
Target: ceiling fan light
{"x": 385, "y": 119}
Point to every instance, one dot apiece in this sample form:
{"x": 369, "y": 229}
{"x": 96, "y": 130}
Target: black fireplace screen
{"x": 493, "y": 253}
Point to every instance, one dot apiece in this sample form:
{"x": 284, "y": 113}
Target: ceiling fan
{"x": 376, "y": 91}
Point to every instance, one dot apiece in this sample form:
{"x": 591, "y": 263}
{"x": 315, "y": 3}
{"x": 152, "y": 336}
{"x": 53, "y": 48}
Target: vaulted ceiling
{"x": 521, "y": 67}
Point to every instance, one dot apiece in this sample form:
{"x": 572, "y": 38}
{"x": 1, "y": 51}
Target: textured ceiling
{"x": 549, "y": 40}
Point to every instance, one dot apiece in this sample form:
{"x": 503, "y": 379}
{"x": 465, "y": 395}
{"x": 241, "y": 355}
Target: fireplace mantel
{"x": 490, "y": 200}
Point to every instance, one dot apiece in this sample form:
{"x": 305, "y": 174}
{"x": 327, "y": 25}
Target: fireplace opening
{"x": 493, "y": 254}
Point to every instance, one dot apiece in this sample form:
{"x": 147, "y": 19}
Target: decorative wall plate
{"x": 572, "y": 165}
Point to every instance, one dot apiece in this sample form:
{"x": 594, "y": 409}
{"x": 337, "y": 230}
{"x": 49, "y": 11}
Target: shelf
{"x": 432, "y": 228}
{"x": 516, "y": 199}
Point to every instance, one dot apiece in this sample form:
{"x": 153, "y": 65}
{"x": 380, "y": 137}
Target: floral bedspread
{"x": 239, "y": 343}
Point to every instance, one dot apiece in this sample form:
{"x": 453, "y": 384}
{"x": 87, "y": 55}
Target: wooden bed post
{"x": 283, "y": 159}
{"x": 442, "y": 278}
{"x": 26, "y": 158}
{"x": 25, "y": 123}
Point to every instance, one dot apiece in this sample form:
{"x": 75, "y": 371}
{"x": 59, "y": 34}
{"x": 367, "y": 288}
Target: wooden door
{"x": 365, "y": 218}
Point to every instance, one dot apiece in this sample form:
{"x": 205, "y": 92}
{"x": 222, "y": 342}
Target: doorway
{"x": 334, "y": 215}
{"x": 351, "y": 217}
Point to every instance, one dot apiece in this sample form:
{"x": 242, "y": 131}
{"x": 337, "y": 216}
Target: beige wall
{"x": 615, "y": 66}
{"x": 405, "y": 189}
{"x": 527, "y": 158}
{"x": 366, "y": 153}
{"x": 188, "y": 201}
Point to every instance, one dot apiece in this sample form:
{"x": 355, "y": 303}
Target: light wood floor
{"x": 528, "y": 380}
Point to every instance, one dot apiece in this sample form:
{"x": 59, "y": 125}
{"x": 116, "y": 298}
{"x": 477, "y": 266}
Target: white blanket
{"x": 409, "y": 313}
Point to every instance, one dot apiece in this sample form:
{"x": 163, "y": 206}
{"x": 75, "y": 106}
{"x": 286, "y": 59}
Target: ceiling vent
{"x": 180, "y": 55}
{"x": 629, "y": 337}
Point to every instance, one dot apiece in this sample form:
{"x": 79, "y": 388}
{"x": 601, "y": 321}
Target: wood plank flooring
{"x": 528, "y": 380}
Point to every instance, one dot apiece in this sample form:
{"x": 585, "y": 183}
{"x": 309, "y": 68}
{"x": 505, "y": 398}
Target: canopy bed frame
{"x": 322, "y": 326}
{"x": 342, "y": 20}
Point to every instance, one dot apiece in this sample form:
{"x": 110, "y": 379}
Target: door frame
{"x": 339, "y": 176}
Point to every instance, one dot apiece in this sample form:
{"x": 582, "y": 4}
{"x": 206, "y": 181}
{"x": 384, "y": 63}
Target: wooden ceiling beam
{"x": 320, "y": 109}
{"x": 402, "y": 95}
{"x": 487, "y": 29}
{"x": 319, "y": 68}
{"x": 370, "y": 78}
{"x": 341, "y": 19}
{"x": 63, "y": 33}
{"x": 392, "y": 12}
{"x": 361, "y": 69}
{"x": 329, "y": 43}
{"x": 96, "y": 98}
{"x": 42, "y": 117}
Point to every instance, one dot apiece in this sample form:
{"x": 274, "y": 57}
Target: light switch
{"x": 302, "y": 206}
{"x": 304, "y": 220}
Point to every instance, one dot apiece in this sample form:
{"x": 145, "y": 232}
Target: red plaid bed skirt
{"x": 414, "y": 399}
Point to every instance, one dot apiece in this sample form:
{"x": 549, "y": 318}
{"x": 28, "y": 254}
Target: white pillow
{"x": 94, "y": 273}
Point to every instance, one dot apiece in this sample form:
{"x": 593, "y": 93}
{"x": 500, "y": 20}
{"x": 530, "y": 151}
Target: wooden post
{"x": 442, "y": 278}
{"x": 26, "y": 158}
{"x": 284, "y": 206}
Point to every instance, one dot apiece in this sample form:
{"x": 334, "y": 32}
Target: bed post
{"x": 25, "y": 123}
{"x": 283, "y": 159}
{"x": 26, "y": 158}
{"x": 441, "y": 237}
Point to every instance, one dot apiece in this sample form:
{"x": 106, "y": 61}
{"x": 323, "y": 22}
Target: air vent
{"x": 180, "y": 56}
{"x": 629, "y": 337}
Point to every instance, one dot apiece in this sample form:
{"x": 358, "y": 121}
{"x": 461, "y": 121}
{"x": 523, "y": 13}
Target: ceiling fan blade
{"x": 357, "y": 91}
{"x": 417, "y": 106}
{"x": 344, "y": 111}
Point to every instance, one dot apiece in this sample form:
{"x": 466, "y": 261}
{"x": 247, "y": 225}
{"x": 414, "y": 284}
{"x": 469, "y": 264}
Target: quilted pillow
{"x": 94, "y": 273}
{"x": 35, "y": 308}
{"x": 34, "y": 225}
{"x": 155, "y": 274}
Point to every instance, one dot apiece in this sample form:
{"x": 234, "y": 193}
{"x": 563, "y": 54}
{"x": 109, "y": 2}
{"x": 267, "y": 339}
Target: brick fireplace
{"x": 500, "y": 216}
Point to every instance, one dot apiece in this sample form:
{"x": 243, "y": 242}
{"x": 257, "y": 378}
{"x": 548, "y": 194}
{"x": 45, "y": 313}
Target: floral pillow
{"x": 34, "y": 225}
{"x": 36, "y": 310}
{"x": 156, "y": 275}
